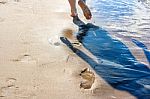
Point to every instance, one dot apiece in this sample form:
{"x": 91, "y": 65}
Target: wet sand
{"x": 35, "y": 64}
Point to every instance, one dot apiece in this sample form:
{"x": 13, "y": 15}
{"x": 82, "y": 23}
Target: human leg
{"x": 85, "y": 9}
{"x": 73, "y": 7}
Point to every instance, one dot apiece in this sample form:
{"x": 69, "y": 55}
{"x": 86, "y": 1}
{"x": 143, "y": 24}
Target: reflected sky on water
{"x": 125, "y": 20}
{"x": 119, "y": 39}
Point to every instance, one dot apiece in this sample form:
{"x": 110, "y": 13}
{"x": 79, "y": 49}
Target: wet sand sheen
{"x": 31, "y": 67}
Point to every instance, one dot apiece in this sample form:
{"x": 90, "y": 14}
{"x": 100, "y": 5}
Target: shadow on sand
{"x": 116, "y": 65}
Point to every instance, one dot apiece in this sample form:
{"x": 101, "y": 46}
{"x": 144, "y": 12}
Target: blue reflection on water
{"x": 126, "y": 19}
{"x": 113, "y": 9}
{"x": 116, "y": 64}
{"x": 102, "y": 45}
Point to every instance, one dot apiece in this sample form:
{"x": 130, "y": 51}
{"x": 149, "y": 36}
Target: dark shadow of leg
{"x": 119, "y": 77}
{"x": 83, "y": 28}
{"x": 117, "y": 65}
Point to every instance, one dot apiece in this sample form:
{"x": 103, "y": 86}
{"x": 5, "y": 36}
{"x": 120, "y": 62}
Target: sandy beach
{"x": 35, "y": 64}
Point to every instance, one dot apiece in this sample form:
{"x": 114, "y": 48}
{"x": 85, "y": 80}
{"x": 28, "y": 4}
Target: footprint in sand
{"x": 1, "y": 19}
{"x": 24, "y": 58}
{"x": 3, "y": 2}
{"x": 17, "y": 0}
{"x": 12, "y": 90}
{"x": 88, "y": 78}
{"x": 54, "y": 41}
{"x": 4, "y": 91}
{"x": 10, "y": 83}
{"x": 69, "y": 34}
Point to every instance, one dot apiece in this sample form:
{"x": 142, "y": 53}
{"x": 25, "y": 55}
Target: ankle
{"x": 73, "y": 12}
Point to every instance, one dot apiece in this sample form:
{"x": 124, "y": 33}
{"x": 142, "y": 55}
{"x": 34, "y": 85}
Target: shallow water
{"x": 120, "y": 25}
{"x": 130, "y": 16}
{"x": 127, "y": 21}
{"x": 123, "y": 18}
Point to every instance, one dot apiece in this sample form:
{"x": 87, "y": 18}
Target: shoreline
{"x": 34, "y": 63}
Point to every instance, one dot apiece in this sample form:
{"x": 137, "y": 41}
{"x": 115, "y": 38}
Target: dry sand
{"x": 34, "y": 64}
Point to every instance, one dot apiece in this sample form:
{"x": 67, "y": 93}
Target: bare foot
{"x": 85, "y": 9}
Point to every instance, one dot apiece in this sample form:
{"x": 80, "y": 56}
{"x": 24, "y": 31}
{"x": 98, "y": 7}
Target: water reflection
{"x": 116, "y": 65}
{"x": 118, "y": 19}
{"x": 125, "y": 20}
{"x": 127, "y": 15}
